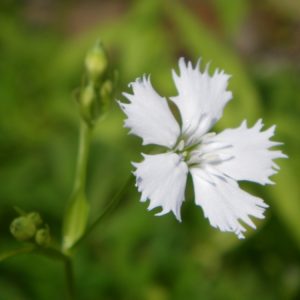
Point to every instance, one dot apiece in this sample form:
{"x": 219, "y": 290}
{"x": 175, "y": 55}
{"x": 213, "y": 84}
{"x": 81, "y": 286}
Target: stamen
{"x": 180, "y": 146}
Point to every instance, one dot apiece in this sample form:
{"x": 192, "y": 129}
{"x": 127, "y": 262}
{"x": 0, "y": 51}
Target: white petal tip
{"x": 178, "y": 217}
{"x": 240, "y": 236}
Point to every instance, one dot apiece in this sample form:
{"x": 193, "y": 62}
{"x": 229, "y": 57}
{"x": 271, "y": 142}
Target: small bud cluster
{"x": 30, "y": 227}
{"x": 96, "y": 93}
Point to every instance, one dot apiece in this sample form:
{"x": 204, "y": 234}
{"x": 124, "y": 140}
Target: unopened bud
{"x": 106, "y": 93}
{"x": 106, "y": 89}
{"x": 42, "y": 237}
{"x": 22, "y": 228}
{"x": 88, "y": 96}
{"x": 96, "y": 62}
{"x": 88, "y": 104}
{"x": 35, "y": 217}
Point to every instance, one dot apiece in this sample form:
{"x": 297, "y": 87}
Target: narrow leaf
{"x": 75, "y": 220}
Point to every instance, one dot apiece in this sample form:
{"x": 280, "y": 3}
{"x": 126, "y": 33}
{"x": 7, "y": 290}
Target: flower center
{"x": 184, "y": 150}
{"x": 205, "y": 151}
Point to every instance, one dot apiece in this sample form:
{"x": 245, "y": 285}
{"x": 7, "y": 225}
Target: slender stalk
{"x": 76, "y": 214}
{"x": 82, "y": 157}
{"x": 12, "y": 253}
{"x": 110, "y": 206}
{"x": 69, "y": 278}
{"x": 54, "y": 253}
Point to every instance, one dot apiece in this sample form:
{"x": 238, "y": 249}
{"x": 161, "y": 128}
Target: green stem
{"x": 110, "y": 206}
{"x": 69, "y": 278}
{"x": 82, "y": 157}
{"x": 77, "y": 210}
{"x": 53, "y": 253}
{"x": 12, "y": 253}
{"x": 57, "y": 254}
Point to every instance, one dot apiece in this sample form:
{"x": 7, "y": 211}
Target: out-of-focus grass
{"x": 134, "y": 255}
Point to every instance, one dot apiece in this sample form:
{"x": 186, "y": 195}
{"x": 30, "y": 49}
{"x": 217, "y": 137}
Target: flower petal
{"x": 149, "y": 116}
{"x": 162, "y": 178}
{"x": 201, "y": 97}
{"x": 247, "y": 155}
{"x": 224, "y": 203}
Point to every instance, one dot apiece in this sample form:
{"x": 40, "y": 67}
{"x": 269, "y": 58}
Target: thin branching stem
{"x": 15, "y": 252}
{"x": 69, "y": 278}
{"x": 110, "y": 206}
{"x": 54, "y": 253}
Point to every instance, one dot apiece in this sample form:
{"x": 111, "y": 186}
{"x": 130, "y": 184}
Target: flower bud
{"x": 96, "y": 62}
{"x": 22, "y": 228}
{"x": 88, "y": 104}
{"x": 42, "y": 237}
{"x": 106, "y": 94}
{"x": 106, "y": 89}
{"x": 35, "y": 217}
{"x": 88, "y": 96}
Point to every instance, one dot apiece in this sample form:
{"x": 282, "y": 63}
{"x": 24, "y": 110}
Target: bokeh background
{"x": 132, "y": 254}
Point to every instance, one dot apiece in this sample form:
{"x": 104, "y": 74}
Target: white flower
{"x": 216, "y": 162}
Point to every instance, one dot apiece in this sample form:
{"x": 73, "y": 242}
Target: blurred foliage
{"x": 134, "y": 255}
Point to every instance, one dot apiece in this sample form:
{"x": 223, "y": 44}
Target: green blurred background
{"x": 132, "y": 254}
